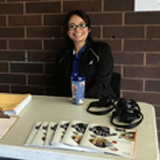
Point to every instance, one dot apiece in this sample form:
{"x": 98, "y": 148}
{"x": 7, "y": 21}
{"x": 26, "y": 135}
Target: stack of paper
{"x": 82, "y": 136}
{"x": 12, "y": 104}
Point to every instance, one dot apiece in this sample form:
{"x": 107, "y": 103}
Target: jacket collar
{"x": 89, "y": 47}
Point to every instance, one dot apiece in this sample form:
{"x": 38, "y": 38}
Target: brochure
{"x": 82, "y": 136}
{"x": 110, "y": 140}
{"x": 59, "y": 133}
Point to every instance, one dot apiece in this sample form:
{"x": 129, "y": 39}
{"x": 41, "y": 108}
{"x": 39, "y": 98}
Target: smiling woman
{"x": 78, "y": 32}
{"x": 83, "y": 56}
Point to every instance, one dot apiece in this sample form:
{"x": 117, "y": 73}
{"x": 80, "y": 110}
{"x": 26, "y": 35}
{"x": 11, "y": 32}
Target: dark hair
{"x": 84, "y": 16}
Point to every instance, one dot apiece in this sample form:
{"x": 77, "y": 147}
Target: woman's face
{"x": 79, "y": 33}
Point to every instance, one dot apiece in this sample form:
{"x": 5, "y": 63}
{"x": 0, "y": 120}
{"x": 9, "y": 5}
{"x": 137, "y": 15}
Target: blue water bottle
{"x": 78, "y": 88}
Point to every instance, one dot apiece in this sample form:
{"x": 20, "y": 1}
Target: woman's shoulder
{"x": 99, "y": 45}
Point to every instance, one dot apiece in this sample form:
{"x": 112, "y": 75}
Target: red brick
{"x": 157, "y": 110}
{"x": 12, "y": 79}
{"x": 4, "y": 67}
{"x": 12, "y": 55}
{"x": 54, "y": 19}
{"x": 87, "y": 6}
{"x": 44, "y": 32}
{"x": 142, "y": 45}
{"x": 2, "y": 20}
{"x": 142, "y": 18}
{"x": 123, "y": 32}
{"x": 153, "y": 59}
{"x": 11, "y": 32}
{"x": 27, "y": 68}
{"x": 152, "y": 98}
{"x": 128, "y": 58}
{"x": 11, "y": 8}
{"x": 95, "y": 32}
{"x": 142, "y": 72}
{"x": 35, "y": 90}
{"x": 42, "y": 56}
{"x": 27, "y": 20}
{"x": 158, "y": 123}
{"x": 117, "y": 69}
{"x": 159, "y": 136}
{"x": 117, "y": 5}
{"x": 132, "y": 84}
{"x": 43, "y": 7}
{"x": 41, "y": 80}
{"x": 25, "y": 44}
{"x": 21, "y": 0}
{"x": 50, "y": 68}
{"x": 106, "y": 19}
{"x": 114, "y": 44}
{"x": 152, "y": 86}
{"x": 4, "y": 88}
{"x": 56, "y": 45}
{"x": 3, "y": 44}
{"x": 153, "y": 32}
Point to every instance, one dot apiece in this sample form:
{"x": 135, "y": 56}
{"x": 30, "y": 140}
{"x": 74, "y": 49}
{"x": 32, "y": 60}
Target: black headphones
{"x": 127, "y": 112}
{"x": 102, "y": 103}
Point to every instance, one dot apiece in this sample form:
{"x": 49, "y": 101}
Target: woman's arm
{"x": 101, "y": 86}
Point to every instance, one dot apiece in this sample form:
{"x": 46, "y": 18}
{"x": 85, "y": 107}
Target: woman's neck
{"x": 78, "y": 47}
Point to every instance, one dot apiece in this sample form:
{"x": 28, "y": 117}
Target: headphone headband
{"x": 125, "y": 111}
{"x": 102, "y": 103}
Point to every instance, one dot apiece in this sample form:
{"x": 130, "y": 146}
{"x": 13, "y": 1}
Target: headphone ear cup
{"x": 133, "y": 102}
{"x": 121, "y": 107}
{"x": 137, "y": 113}
{"x": 122, "y": 104}
{"x": 115, "y": 113}
{"x": 127, "y": 117}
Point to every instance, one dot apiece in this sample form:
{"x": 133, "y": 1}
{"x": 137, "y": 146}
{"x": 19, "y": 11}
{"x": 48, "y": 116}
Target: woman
{"x": 81, "y": 55}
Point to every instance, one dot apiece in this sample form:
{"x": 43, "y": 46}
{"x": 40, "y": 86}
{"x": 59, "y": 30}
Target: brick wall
{"x": 31, "y": 35}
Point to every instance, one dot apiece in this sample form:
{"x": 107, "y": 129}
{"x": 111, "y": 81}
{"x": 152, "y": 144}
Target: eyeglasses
{"x": 74, "y": 26}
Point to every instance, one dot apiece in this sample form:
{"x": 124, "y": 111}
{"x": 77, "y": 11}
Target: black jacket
{"x": 96, "y": 64}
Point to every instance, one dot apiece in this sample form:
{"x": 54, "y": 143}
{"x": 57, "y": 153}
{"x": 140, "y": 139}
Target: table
{"x": 48, "y": 108}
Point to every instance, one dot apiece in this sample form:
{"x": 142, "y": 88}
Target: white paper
{"x": 41, "y": 135}
{"x": 50, "y": 133}
{"x": 5, "y": 124}
{"x": 33, "y": 132}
